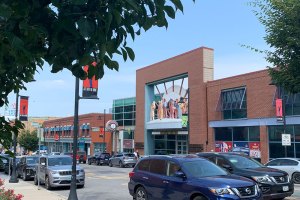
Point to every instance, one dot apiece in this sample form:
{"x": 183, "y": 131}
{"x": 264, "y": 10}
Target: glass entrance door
{"x": 181, "y": 147}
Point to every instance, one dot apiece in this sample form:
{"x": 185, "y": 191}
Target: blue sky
{"x": 223, "y": 25}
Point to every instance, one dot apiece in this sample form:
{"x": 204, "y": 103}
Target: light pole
{"x": 14, "y": 178}
{"x": 284, "y": 121}
{"x": 73, "y": 192}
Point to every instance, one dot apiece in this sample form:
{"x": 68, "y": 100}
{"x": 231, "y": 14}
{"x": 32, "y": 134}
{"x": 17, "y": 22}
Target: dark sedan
{"x": 26, "y": 167}
{"x": 99, "y": 159}
{"x": 3, "y": 161}
{"x": 9, "y": 165}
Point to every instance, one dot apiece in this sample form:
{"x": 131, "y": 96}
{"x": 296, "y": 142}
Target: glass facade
{"x": 276, "y": 149}
{"x": 234, "y": 103}
{"x": 124, "y": 111}
{"x": 238, "y": 139}
{"x": 292, "y": 104}
{"x": 170, "y": 144}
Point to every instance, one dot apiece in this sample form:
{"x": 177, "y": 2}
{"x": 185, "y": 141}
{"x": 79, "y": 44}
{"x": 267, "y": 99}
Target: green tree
{"x": 282, "y": 23}
{"x": 28, "y": 140}
{"x": 68, "y": 34}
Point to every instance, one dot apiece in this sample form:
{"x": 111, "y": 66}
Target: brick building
{"x": 58, "y": 134}
{"x": 231, "y": 114}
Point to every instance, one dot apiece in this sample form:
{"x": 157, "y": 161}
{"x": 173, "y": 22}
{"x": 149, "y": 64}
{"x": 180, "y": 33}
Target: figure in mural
{"x": 171, "y": 108}
{"x": 176, "y": 105}
{"x": 165, "y": 108}
{"x": 160, "y": 111}
{"x": 152, "y": 110}
{"x": 185, "y": 107}
{"x": 178, "y": 108}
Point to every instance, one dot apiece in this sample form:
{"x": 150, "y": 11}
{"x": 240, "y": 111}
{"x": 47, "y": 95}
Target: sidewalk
{"x": 30, "y": 191}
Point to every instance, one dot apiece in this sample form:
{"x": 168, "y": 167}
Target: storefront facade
{"x": 58, "y": 134}
{"x": 231, "y": 114}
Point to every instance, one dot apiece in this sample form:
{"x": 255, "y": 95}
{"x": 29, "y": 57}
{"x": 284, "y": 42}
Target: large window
{"x": 124, "y": 111}
{"x": 233, "y": 103}
{"x": 292, "y": 104}
{"x": 275, "y": 146}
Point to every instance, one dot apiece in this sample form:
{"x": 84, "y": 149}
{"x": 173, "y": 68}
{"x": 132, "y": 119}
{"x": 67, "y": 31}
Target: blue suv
{"x": 187, "y": 178}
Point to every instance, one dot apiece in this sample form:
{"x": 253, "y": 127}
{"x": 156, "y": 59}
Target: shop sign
{"x": 127, "y": 144}
{"x": 286, "y": 139}
{"x": 279, "y": 113}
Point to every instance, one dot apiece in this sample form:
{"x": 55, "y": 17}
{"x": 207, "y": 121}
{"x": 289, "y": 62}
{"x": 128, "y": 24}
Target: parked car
{"x": 81, "y": 156}
{"x": 274, "y": 183}
{"x": 123, "y": 160}
{"x": 187, "y": 178}
{"x": 9, "y": 165}
{"x": 54, "y": 154}
{"x": 56, "y": 171}
{"x": 26, "y": 167}
{"x": 4, "y": 158}
{"x": 99, "y": 159}
{"x": 289, "y": 165}
{"x": 43, "y": 152}
{"x": 71, "y": 155}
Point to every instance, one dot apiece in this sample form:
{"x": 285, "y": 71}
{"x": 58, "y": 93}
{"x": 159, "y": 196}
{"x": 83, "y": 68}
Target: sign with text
{"x": 23, "y": 108}
{"x": 90, "y": 86}
{"x": 286, "y": 139}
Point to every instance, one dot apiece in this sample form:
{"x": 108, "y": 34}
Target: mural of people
{"x": 176, "y": 108}
{"x": 152, "y": 111}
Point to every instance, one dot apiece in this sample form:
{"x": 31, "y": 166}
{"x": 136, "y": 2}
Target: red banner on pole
{"x": 23, "y": 108}
{"x": 90, "y": 86}
{"x": 279, "y": 113}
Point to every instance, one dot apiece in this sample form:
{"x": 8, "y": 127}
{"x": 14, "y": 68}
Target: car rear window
{"x": 144, "y": 165}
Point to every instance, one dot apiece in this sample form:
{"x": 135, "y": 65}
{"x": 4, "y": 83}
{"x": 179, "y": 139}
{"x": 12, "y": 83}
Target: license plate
{"x": 285, "y": 188}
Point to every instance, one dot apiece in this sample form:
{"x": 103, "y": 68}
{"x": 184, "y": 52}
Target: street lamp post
{"x": 284, "y": 122}
{"x": 73, "y": 192}
{"x": 14, "y": 178}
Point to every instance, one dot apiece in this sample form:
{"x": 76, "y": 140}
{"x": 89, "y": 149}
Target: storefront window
{"x": 277, "y": 150}
{"x": 240, "y": 134}
{"x": 223, "y": 134}
{"x": 254, "y": 133}
{"x": 297, "y": 134}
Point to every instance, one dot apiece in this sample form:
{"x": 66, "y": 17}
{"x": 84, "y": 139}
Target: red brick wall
{"x": 94, "y": 119}
{"x": 190, "y": 63}
{"x": 260, "y": 96}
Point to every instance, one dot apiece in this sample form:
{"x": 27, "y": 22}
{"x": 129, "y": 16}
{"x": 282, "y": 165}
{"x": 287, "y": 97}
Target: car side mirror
{"x": 227, "y": 167}
{"x": 180, "y": 174}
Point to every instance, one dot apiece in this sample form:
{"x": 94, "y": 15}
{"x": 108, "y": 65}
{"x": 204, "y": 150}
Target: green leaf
{"x": 5, "y": 11}
{"x": 132, "y": 4}
{"x": 178, "y": 4}
{"x": 124, "y": 53}
{"x": 86, "y": 27}
{"x": 170, "y": 11}
{"x": 117, "y": 16}
{"x": 79, "y": 2}
{"x": 130, "y": 53}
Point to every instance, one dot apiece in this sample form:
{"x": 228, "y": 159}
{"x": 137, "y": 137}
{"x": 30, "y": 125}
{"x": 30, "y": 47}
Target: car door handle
{"x": 166, "y": 182}
{"x": 144, "y": 177}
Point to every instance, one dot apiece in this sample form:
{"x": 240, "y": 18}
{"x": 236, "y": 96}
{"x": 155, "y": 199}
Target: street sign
{"x": 286, "y": 139}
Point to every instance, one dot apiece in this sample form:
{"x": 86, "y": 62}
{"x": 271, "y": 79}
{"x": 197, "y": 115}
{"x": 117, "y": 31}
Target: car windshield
{"x": 244, "y": 162}
{"x": 202, "y": 168}
{"x": 31, "y": 160}
{"x": 59, "y": 161}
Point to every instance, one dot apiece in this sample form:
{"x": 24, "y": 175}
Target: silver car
{"x": 56, "y": 171}
{"x": 123, "y": 160}
{"x": 289, "y": 165}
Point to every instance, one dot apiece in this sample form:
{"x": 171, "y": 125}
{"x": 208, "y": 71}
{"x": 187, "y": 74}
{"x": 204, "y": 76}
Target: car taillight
{"x": 131, "y": 174}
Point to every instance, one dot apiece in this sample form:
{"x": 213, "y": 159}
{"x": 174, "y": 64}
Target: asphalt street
{"x": 110, "y": 183}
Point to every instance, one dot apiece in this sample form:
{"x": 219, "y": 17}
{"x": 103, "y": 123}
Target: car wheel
{"x": 296, "y": 177}
{"x": 89, "y": 162}
{"x": 35, "y": 180}
{"x": 24, "y": 176}
{"x": 97, "y": 162}
{"x": 199, "y": 198}
{"x": 47, "y": 183}
{"x": 80, "y": 186}
{"x": 84, "y": 162}
{"x": 110, "y": 164}
{"x": 121, "y": 164}
{"x": 141, "y": 194}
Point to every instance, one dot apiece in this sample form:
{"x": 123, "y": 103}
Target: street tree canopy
{"x": 282, "y": 23}
{"x": 29, "y": 140}
{"x": 68, "y": 34}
